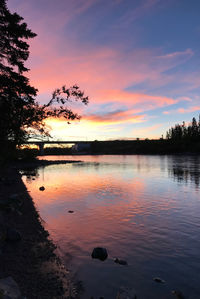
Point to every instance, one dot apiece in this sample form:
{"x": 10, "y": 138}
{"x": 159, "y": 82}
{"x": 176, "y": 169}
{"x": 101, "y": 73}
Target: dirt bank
{"x": 30, "y": 261}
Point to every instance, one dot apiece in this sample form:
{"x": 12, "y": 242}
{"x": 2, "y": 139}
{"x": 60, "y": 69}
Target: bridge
{"x": 80, "y": 143}
{"x": 41, "y": 144}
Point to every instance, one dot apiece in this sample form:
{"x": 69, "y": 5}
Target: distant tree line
{"x": 190, "y": 132}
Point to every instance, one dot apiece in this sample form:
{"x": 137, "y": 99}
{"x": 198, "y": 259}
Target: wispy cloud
{"x": 103, "y": 73}
{"x": 122, "y": 62}
{"x": 184, "y": 54}
{"x": 183, "y": 110}
{"x": 189, "y": 109}
{"x": 114, "y": 118}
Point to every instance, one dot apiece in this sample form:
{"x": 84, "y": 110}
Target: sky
{"x": 137, "y": 60}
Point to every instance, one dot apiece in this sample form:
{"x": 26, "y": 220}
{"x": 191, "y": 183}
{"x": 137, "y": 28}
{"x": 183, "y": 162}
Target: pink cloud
{"x": 183, "y": 110}
{"x": 93, "y": 68}
{"x": 190, "y": 109}
{"x": 104, "y": 119}
{"x": 117, "y": 117}
{"x": 132, "y": 98}
{"x": 67, "y": 52}
{"x": 55, "y": 60}
{"x": 103, "y": 73}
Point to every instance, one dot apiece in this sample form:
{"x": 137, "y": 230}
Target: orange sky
{"x": 131, "y": 58}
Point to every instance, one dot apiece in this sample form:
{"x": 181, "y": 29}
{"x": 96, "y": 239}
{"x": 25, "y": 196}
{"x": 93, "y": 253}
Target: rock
{"x": 126, "y": 293}
{"x": 121, "y": 262}
{"x": 42, "y": 188}
{"x": 13, "y": 235}
{"x": 178, "y": 294}
{"x": 159, "y": 280}
{"x": 99, "y": 253}
{"x": 9, "y": 288}
{"x": 70, "y": 211}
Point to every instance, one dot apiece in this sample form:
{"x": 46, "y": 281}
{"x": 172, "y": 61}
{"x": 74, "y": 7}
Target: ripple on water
{"x": 143, "y": 209}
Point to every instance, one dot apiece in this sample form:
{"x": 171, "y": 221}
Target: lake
{"x": 142, "y": 209}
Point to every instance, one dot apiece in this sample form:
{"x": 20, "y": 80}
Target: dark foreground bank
{"x": 26, "y": 252}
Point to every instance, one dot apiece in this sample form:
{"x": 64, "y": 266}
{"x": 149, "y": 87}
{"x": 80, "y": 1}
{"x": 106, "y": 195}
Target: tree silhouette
{"x": 19, "y": 110}
{"x": 191, "y": 132}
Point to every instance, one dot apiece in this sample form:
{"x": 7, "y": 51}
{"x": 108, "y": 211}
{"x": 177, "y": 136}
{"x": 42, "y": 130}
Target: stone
{"x": 159, "y": 280}
{"x": 13, "y": 235}
{"x": 99, "y": 253}
{"x": 126, "y": 293}
{"x": 42, "y": 188}
{"x": 121, "y": 262}
{"x": 9, "y": 288}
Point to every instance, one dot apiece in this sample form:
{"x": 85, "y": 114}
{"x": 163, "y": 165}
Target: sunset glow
{"x": 138, "y": 61}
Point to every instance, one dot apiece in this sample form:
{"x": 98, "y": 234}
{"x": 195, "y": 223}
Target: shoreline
{"x": 30, "y": 261}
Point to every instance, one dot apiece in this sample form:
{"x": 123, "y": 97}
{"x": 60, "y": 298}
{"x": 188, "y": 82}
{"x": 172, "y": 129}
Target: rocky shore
{"x": 27, "y": 255}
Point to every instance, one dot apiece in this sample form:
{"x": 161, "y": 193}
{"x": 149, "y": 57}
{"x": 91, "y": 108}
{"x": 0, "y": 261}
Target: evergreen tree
{"x": 194, "y": 128}
{"x": 189, "y": 133}
{"x": 16, "y": 94}
{"x": 19, "y": 109}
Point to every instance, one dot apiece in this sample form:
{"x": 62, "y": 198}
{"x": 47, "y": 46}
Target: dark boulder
{"x": 121, "y": 262}
{"x": 159, "y": 280}
{"x": 42, "y": 188}
{"x": 99, "y": 253}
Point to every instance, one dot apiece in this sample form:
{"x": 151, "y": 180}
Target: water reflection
{"x": 133, "y": 207}
{"x": 185, "y": 169}
{"x": 181, "y": 168}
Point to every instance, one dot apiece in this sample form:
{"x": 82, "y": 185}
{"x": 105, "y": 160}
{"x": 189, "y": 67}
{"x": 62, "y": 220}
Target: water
{"x": 143, "y": 209}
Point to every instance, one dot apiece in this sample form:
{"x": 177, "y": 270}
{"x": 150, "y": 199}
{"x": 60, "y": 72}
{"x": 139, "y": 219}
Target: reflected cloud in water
{"x": 135, "y": 206}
